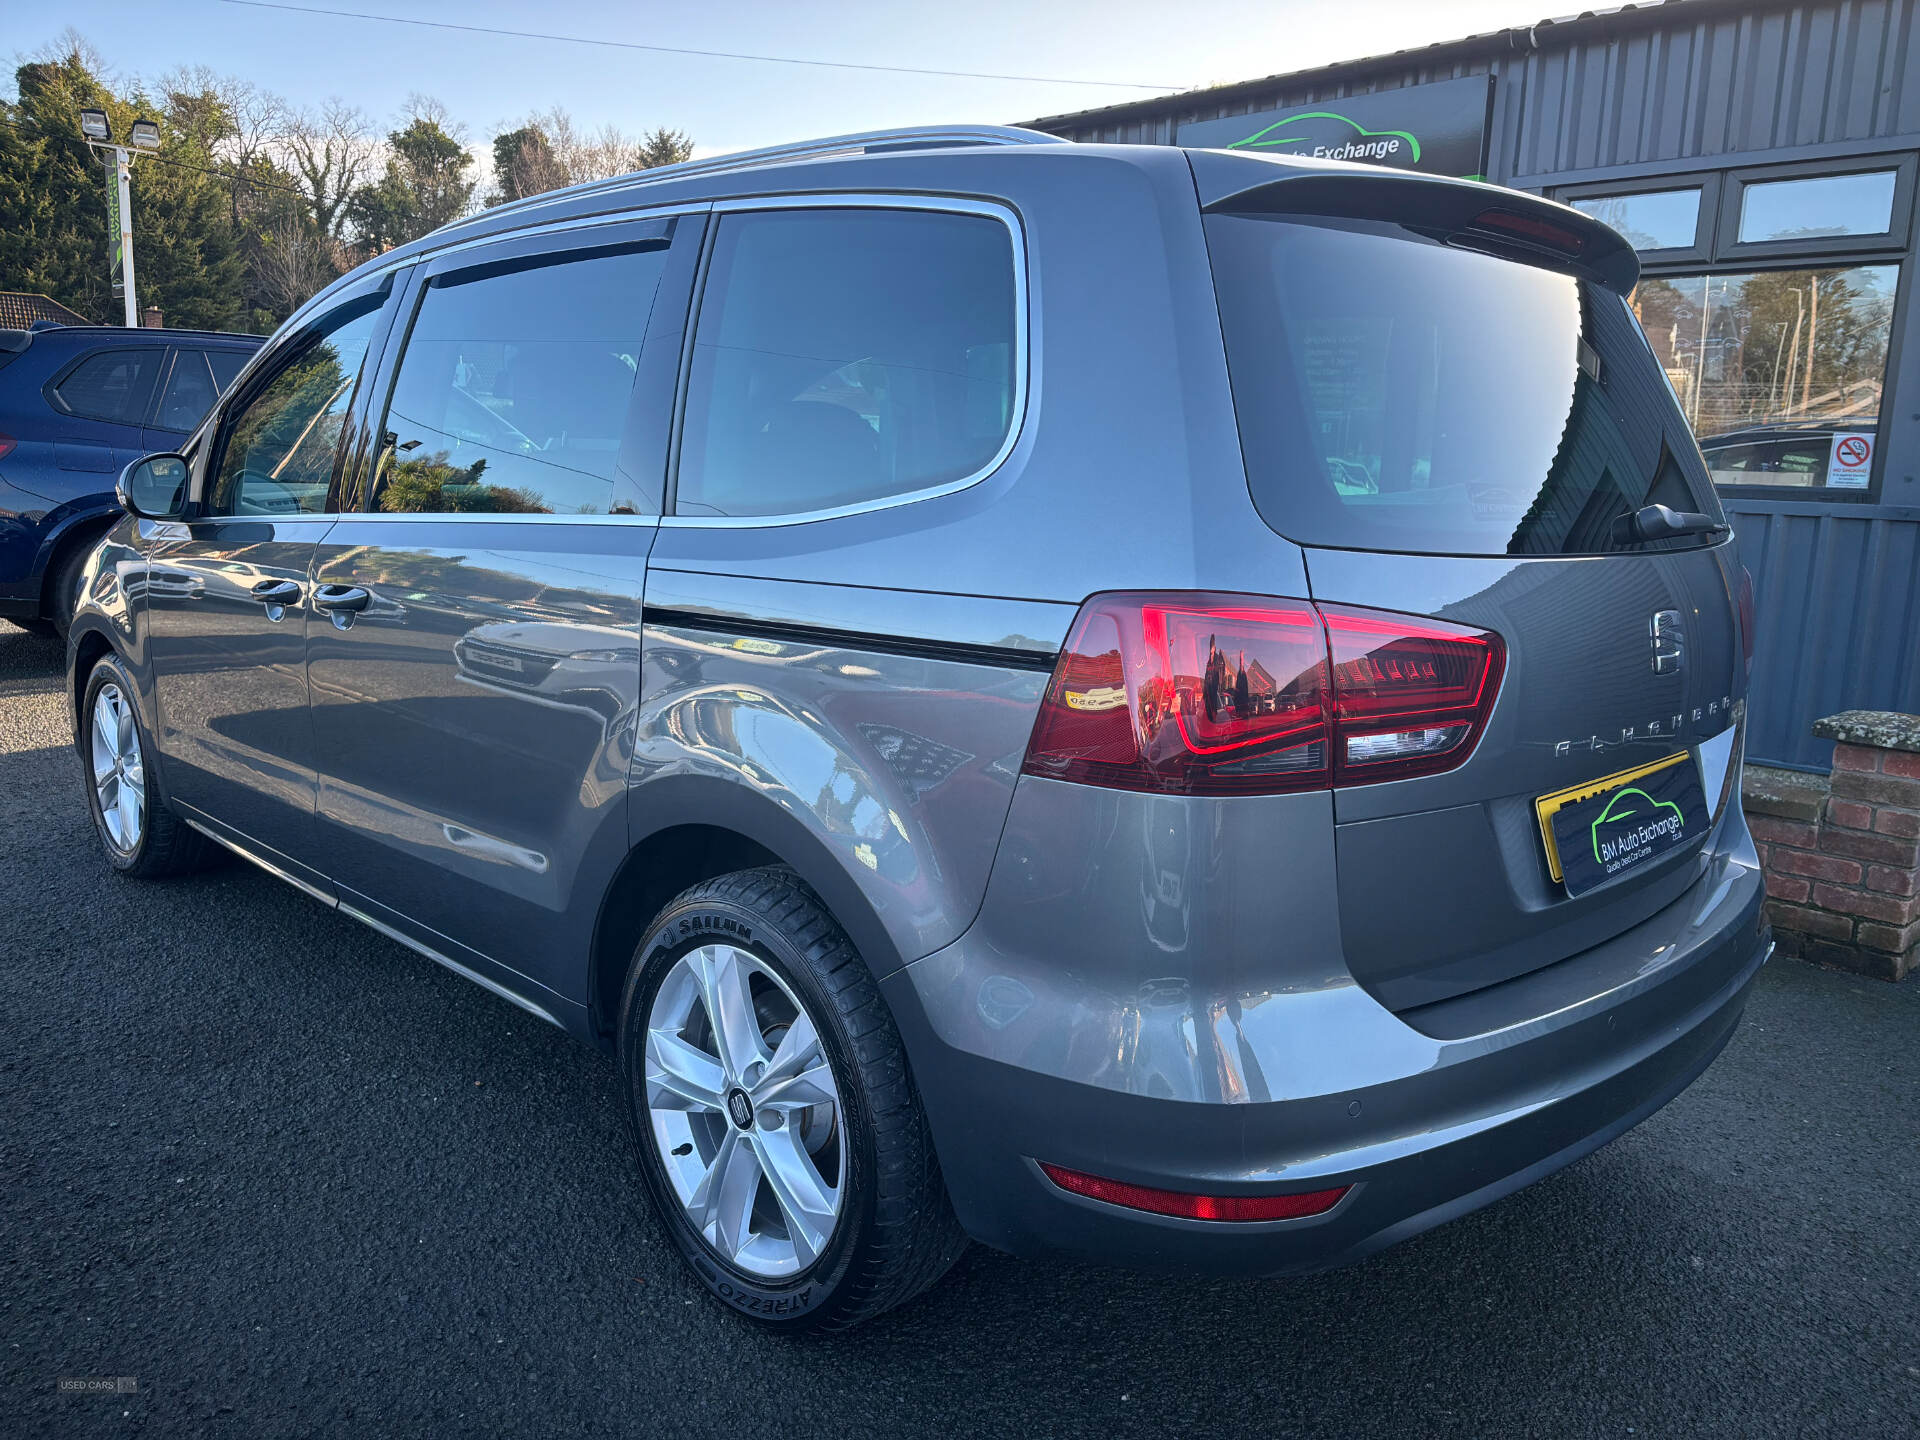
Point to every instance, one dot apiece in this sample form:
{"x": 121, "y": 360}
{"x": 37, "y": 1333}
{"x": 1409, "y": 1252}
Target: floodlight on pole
{"x": 144, "y": 137}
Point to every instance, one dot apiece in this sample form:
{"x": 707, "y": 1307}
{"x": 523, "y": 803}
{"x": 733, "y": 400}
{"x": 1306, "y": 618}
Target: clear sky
{"x": 490, "y": 81}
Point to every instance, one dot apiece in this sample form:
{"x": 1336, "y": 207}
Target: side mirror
{"x": 154, "y": 488}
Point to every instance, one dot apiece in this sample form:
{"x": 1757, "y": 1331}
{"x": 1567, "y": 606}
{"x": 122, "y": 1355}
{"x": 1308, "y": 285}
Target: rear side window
{"x": 226, "y": 365}
{"x": 845, "y": 356}
{"x": 1395, "y": 394}
{"x": 512, "y": 395}
{"x": 190, "y": 392}
{"x": 110, "y": 385}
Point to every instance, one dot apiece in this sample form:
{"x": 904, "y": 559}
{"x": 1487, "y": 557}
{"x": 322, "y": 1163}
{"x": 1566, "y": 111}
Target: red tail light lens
{"x": 1203, "y": 694}
{"x": 1296, "y": 1206}
{"x": 1411, "y": 696}
{"x": 1746, "y": 617}
{"x": 6, "y": 446}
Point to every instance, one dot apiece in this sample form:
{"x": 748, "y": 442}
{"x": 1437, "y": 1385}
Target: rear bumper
{"x": 1312, "y": 1088}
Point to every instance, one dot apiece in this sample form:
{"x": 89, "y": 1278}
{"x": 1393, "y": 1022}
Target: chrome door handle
{"x": 276, "y": 592}
{"x": 342, "y": 598}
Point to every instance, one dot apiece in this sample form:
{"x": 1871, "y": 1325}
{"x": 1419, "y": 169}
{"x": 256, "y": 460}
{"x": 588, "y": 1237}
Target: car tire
{"x": 757, "y": 1238}
{"x": 126, "y": 795}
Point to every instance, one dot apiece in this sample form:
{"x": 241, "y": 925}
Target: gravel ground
{"x": 298, "y": 1181}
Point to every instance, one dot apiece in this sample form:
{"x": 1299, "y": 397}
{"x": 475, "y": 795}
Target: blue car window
{"x": 110, "y": 385}
{"x": 190, "y": 392}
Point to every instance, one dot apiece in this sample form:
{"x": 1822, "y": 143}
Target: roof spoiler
{"x": 13, "y": 342}
{"x": 1464, "y": 213}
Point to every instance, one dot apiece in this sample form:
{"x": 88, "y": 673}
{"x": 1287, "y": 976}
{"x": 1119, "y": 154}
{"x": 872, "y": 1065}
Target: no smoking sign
{"x": 1850, "y": 461}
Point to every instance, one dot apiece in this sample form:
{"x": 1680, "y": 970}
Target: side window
{"x": 110, "y": 385}
{"x": 847, "y": 355}
{"x": 512, "y": 393}
{"x": 190, "y": 392}
{"x": 226, "y": 365}
{"x": 277, "y": 454}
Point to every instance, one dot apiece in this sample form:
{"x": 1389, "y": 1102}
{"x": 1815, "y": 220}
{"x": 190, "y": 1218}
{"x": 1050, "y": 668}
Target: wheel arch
{"x": 79, "y": 531}
{"x": 690, "y": 828}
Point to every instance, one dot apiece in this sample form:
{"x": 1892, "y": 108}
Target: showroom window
{"x": 1768, "y": 295}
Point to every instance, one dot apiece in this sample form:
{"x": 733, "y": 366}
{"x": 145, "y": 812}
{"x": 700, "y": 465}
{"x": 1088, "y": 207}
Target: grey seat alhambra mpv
{"x": 1177, "y": 706}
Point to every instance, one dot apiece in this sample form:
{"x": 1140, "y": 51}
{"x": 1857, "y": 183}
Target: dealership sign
{"x": 1439, "y": 128}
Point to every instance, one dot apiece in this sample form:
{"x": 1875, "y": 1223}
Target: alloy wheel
{"x": 119, "y": 770}
{"x": 743, "y": 1107}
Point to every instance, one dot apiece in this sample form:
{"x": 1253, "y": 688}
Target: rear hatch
{"x": 1444, "y": 397}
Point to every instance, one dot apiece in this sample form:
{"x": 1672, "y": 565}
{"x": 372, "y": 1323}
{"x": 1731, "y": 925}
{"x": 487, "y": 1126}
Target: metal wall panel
{"x": 1837, "y": 616}
{"x": 1690, "y": 81}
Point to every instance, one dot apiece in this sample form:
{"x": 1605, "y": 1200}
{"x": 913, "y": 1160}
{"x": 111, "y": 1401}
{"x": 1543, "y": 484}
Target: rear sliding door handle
{"x": 341, "y": 598}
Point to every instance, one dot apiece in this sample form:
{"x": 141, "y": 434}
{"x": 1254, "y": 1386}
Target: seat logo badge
{"x": 1668, "y": 641}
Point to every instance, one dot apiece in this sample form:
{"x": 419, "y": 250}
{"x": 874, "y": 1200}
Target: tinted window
{"x": 111, "y": 385}
{"x": 190, "y": 392}
{"x": 226, "y": 364}
{"x": 1399, "y": 395}
{"x": 279, "y": 450}
{"x": 847, "y": 355}
{"x": 1651, "y": 220}
{"x": 512, "y": 394}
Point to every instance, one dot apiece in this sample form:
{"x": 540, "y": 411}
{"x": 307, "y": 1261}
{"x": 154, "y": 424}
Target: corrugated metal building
{"x": 1762, "y": 158}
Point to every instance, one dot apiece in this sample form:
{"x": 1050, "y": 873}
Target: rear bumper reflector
{"x": 1295, "y": 1206}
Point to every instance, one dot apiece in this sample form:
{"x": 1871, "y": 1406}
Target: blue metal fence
{"x": 1837, "y": 615}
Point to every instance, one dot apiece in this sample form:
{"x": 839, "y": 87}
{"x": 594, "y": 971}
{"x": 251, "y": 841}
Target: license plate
{"x": 1604, "y": 828}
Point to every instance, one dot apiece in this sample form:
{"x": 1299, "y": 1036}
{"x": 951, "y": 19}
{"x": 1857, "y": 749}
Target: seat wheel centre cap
{"x": 739, "y": 1108}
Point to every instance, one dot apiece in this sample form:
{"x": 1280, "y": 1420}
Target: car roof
{"x": 113, "y": 334}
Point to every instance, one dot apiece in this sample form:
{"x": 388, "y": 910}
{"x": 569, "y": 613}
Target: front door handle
{"x": 344, "y": 598}
{"x": 276, "y": 592}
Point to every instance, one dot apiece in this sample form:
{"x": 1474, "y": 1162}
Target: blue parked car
{"x": 77, "y": 403}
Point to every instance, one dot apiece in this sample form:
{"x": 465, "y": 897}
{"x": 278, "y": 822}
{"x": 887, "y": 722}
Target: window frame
{"x": 260, "y": 373}
{"x": 1022, "y": 358}
{"x": 1729, "y": 249}
{"x": 1718, "y": 252}
{"x": 1707, "y": 183}
{"x": 535, "y": 249}
{"x": 51, "y": 390}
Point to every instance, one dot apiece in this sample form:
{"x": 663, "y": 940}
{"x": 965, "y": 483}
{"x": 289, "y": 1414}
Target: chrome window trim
{"x": 1023, "y": 368}
{"x": 500, "y": 517}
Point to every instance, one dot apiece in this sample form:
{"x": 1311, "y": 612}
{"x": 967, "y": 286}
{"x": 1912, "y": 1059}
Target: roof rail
{"x": 868, "y": 142}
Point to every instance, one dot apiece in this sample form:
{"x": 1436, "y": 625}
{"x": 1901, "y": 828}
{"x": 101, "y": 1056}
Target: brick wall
{"x": 1842, "y": 859}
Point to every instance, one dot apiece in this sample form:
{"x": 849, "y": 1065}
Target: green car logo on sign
{"x": 1361, "y": 144}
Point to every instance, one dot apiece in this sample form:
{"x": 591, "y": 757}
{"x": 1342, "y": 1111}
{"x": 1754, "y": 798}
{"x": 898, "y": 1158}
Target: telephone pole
{"x": 143, "y": 136}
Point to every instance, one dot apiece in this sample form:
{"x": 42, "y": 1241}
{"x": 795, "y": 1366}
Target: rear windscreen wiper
{"x": 1658, "y": 522}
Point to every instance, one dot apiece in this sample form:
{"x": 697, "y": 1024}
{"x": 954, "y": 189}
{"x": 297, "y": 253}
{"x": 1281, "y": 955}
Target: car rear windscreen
{"x": 1394, "y": 393}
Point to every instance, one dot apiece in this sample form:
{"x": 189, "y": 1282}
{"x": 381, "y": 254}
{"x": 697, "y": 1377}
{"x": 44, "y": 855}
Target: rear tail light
{"x": 1295, "y": 1206}
{"x": 1204, "y": 694}
{"x": 1746, "y": 616}
{"x": 7, "y": 443}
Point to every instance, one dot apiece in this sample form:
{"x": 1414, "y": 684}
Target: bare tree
{"x": 293, "y": 264}
{"x": 549, "y": 150}
{"x": 330, "y": 153}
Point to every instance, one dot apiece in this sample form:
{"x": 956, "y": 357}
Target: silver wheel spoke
{"x": 797, "y": 1076}
{"x": 802, "y": 1196}
{"x": 729, "y": 1004}
{"x": 681, "y": 1076}
{"x": 722, "y": 1206}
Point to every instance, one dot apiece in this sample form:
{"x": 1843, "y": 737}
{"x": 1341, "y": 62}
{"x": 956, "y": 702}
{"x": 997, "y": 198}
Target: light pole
{"x": 142, "y": 136}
